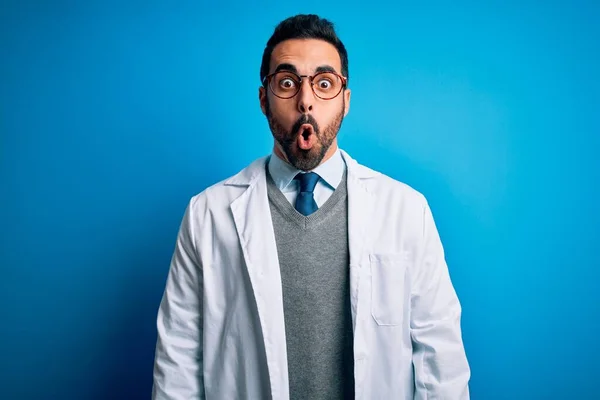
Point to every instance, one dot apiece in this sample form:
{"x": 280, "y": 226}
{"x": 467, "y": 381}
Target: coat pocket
{"x": 388, "y": 272}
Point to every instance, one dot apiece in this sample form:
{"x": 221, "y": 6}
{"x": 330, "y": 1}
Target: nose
{"x": 306, "y": 97}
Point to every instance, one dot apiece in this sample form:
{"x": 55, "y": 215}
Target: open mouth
{"x": 306, "y": 137}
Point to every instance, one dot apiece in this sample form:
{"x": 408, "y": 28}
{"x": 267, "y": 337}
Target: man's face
{"x": 305, "y": 127}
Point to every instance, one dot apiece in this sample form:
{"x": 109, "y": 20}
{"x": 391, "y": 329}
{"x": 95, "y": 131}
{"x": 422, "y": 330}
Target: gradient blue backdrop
{"x": 113, "y": 114}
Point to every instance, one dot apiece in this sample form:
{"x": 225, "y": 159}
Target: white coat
{"x": 221, "y": 332}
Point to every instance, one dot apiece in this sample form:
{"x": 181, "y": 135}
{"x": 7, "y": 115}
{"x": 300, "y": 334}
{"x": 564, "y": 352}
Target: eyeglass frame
{"x": 267, "y": 82}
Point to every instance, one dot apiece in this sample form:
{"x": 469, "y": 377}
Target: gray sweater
{"x": 314, "y": 261}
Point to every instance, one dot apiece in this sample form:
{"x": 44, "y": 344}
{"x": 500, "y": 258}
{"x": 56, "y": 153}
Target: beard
{"x": 305, "y": 160}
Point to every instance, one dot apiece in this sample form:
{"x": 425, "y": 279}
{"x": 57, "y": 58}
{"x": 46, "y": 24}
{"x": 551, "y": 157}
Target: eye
{"x": 324, "y": 84}
{"x": 287, "y": 83}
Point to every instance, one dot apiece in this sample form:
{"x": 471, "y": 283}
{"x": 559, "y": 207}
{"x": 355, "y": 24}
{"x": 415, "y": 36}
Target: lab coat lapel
{"x": 253, "y": 223}
{"x": 360, "y": 208}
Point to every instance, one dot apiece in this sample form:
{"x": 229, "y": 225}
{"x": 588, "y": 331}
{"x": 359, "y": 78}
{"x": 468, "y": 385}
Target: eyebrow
{"x": 325, "y": 68}
{"x": 292, "y": 68}
{"x": 286, "y": 67}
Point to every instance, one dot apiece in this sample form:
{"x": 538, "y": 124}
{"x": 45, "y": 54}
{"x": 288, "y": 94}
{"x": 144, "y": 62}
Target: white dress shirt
{"x": 330, "y": 175}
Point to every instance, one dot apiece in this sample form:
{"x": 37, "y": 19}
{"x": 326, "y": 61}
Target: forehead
{"x": 305, "y": 54}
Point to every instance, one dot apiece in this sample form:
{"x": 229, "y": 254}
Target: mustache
{"x": 305, "y": 119}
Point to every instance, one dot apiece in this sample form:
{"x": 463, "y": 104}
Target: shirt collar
{"x": 330, "y": 172}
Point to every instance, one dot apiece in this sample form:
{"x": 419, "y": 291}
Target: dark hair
{"x": 303, "y": 26}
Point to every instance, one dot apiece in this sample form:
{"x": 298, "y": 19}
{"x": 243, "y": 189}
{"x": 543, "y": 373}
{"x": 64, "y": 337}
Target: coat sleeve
{"x": 440, "y": 363}
{"x": 178, "y": 369}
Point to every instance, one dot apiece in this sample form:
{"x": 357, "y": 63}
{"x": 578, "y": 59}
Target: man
{"x": 308, "y": 275}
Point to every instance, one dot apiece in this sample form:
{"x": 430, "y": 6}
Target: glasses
{"x": 286, "y": 84}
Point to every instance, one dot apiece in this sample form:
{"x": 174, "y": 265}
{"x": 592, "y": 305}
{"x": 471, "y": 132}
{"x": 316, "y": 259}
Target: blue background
{"x": 112, "y": 115}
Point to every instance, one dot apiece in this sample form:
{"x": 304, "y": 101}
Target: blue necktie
{"x": 305, "y": 202}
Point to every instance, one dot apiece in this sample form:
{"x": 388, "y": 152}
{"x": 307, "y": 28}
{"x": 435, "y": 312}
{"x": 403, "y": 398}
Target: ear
{"x": 262, "y": 98}
{"x": 347, "y": 101}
